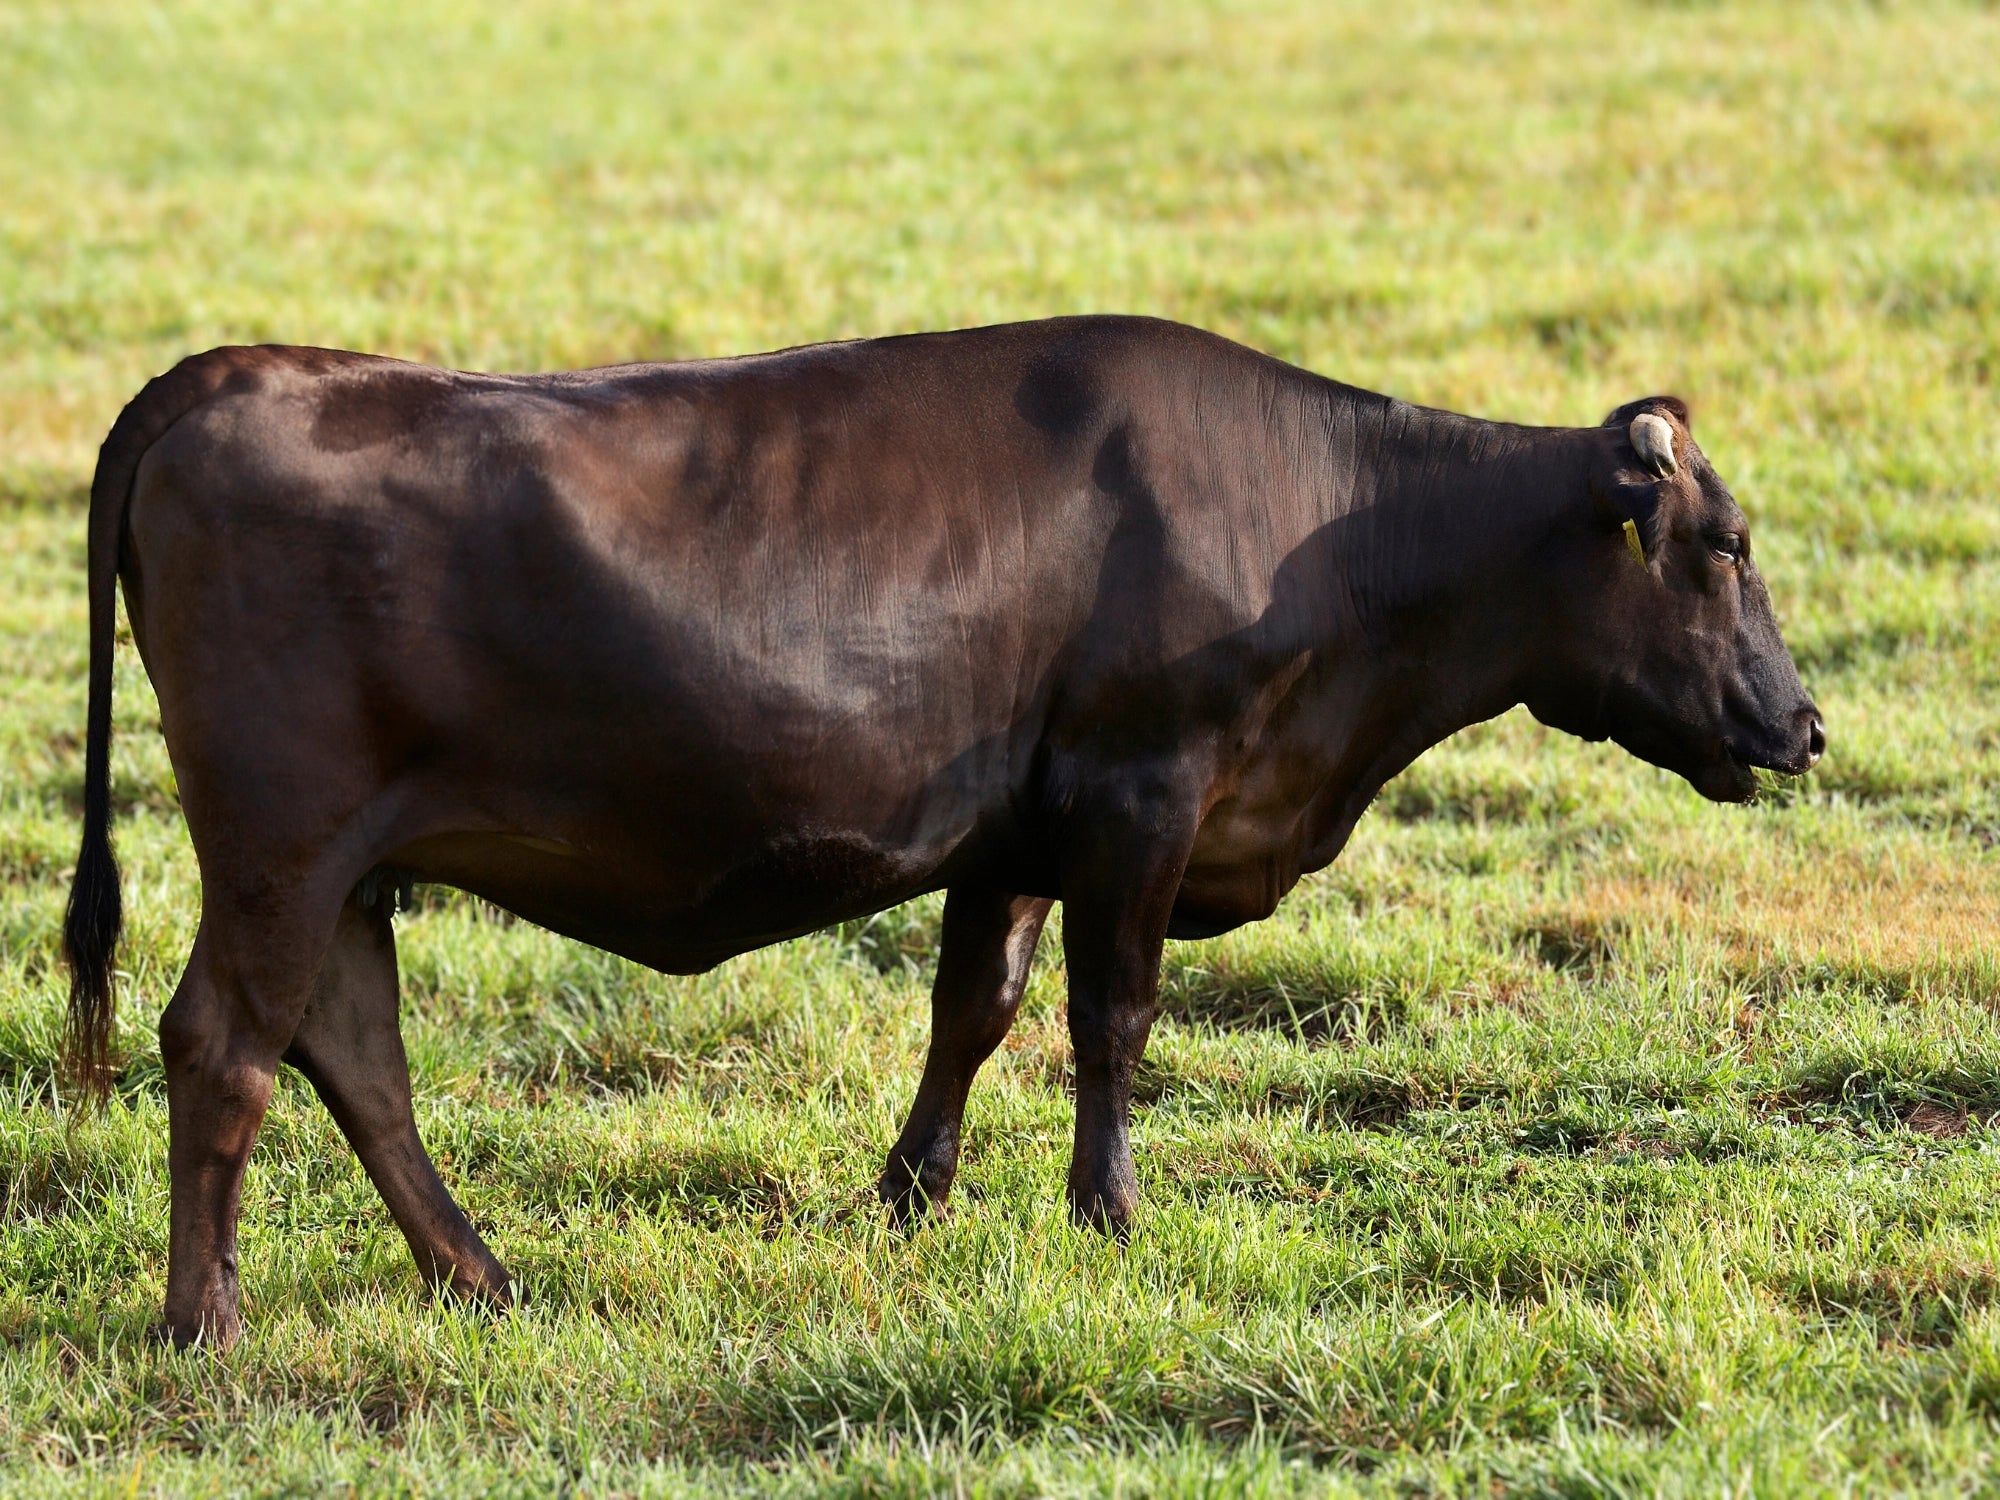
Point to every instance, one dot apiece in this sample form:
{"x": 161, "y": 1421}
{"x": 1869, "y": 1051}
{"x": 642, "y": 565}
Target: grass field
{"x": 1569, "y": 1136}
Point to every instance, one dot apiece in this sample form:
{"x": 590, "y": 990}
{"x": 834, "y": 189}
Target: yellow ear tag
{"x": 1632, "y": 542}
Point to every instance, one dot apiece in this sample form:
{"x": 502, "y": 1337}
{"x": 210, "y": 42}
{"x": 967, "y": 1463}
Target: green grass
{"x": 1569, "y": 1136}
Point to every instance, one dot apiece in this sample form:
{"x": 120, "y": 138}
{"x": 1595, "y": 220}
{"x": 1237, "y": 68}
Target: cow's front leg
{"x": 1119, "y": 887}
{"x": 988, "y": 944}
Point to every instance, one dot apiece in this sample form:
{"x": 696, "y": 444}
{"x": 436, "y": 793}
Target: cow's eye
{"x": 1727, "y": 547}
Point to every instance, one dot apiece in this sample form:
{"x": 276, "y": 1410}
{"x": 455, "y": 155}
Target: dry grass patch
{"x": 1908, "y": 916}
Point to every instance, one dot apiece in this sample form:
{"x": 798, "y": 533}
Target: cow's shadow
{"x": 1279, "y": 998}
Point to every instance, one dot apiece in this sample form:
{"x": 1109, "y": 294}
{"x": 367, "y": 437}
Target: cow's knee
{"x": 214, "y": 1063}
{"x": 186, "y": 1027}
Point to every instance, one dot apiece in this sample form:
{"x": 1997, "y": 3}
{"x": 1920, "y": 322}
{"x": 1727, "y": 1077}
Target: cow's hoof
{"x": 489, "y": 1287}
{"x": 213, "y": 1330}
{"x": 912, "y": 1203}
{"x": 1109, "y": 1216}
{"x": 916, "y": 1188}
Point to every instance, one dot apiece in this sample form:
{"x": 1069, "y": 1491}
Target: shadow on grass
{"x": 1313, "y": 1004}
{"x": 1353, "y": 1395}
{"x": 1571, "y": 1137}
{"x": 1573, "y": 944}
{"x": 1519, "y": 1272}
{"x": 1363, "y": 1102}
{"x": 1409, "y": 800}
{"x": 617, "y": 1045}
{"x": 1974, "y": 978}
{"x": 903, "y": 939}
{"x": 1350, "y": 1101}
{"x": 82, "y": 1337}
{"x": 721, "y": 1186}
{"x": 1858, "y": 1093}
{"x": 1926, "y": 1303}
{"x": 49, "y": 1185}
{"x": 1558, "y": 1135}
{"x": 615, "y": 1064}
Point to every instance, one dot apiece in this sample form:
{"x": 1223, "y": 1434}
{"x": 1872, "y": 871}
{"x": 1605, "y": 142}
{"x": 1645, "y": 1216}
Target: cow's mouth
{"x": 1732, "y": 775}
{"x": 1707, "y": 762}
{"x": 1729, "y": 777}
{"x": 1721, "y": 763}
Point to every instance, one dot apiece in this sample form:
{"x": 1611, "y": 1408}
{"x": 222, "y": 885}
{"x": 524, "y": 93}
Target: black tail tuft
{"x": 90, "y": 935}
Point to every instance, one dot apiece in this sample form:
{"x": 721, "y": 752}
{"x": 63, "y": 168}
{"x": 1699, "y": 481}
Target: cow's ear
{"x": 1630, "y": 490}
{"x": 1628, "y": 497}
{"x": 1628, "y": 500}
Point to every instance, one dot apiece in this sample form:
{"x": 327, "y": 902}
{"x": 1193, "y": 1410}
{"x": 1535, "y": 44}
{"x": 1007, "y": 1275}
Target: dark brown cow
{"x": 685, "y": 659}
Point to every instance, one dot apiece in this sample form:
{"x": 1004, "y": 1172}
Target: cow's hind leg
{"x": 247, "y": 982}
{"x": 350, "y": 1045}
{"x": 988, "y": 944}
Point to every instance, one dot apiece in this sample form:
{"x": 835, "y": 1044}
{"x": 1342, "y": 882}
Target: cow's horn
{"x": 1653, "y": 440}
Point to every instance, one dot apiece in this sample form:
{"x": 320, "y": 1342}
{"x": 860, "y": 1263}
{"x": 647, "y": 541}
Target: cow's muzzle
{"x": 1800, "y": 753}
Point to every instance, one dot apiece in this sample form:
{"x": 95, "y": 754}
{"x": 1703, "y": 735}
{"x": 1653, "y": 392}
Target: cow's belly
{"x": 679, "y": 819}
{"x": 650, "y": 911}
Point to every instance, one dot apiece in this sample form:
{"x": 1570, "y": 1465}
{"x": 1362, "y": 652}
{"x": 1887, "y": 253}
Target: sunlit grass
{"x": 1569, "y": 1135}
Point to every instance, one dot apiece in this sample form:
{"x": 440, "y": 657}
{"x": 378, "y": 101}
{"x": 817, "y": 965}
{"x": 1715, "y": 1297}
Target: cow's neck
{"x": 1439, "y": 529}
{"x": 1441, "y": 512}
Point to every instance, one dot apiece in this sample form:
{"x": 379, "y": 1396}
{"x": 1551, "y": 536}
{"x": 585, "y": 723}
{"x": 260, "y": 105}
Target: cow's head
{"x": 1665, "y": 641}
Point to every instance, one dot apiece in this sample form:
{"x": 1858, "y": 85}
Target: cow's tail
{"x": 90, "y": 930}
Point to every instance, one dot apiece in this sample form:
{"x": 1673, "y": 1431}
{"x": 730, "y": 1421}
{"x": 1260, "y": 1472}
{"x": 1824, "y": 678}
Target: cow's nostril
{"x": 1815, "y": 741}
